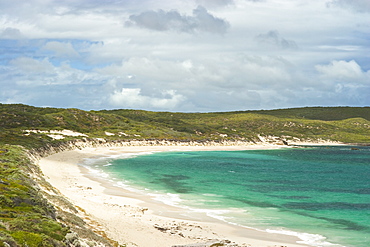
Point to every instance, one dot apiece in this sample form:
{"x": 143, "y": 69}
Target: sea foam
{"x": 307, "y": 238}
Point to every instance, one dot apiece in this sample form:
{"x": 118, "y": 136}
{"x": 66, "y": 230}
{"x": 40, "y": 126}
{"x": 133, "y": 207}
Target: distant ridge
{"x": 321, "y": 113}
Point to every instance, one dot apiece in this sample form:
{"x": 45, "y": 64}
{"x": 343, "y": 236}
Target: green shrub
{"x": 26, "y": 218}
{"x": 28, "y": 239}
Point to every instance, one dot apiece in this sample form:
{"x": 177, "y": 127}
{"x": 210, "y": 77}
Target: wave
{"x": 108, "y": 158}
{"x": 222, "y": 215}
{"x": 97, "y": 172}
{"x": 168, "y": 198}
{"x": 307, "y": 238}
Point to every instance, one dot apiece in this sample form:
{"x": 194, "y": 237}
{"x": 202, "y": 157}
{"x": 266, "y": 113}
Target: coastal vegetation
{"x": 340, "y": 124}
{"x": 26, "y": 218}
{"x": 31, "y": 217}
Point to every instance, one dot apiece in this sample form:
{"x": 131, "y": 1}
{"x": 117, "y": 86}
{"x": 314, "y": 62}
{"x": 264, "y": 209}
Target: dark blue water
{"x": 320, "y": 194}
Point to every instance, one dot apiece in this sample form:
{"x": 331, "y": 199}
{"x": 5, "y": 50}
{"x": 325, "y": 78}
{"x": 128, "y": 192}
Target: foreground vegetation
{"x": 26, "y": 218}
{"x": 31, "y": 217}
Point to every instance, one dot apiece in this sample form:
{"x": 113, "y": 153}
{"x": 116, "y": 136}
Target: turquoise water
{"x": 321, "y": 194}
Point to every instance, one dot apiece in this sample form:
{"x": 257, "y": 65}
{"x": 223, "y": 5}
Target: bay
{"x": 321, "y": 194}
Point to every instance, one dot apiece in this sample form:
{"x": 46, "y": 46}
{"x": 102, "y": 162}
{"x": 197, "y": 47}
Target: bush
{"x": 28, "y": 239}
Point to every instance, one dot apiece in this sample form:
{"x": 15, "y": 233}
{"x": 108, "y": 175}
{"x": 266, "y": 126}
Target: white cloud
{"x": 207, "y": 83}
{"x": 344, "y": 82}
{"x": 148, "y": 70}
{"x": 133, "y": 98}
{"x": 61, "y": 49}
{"x": 357, "y": 5}
{"x": 343, "y": 71}
{"x": 234, "y": 72}
{"x": 215, "y": 3}
{"x": 30, "y": 65}
{"x": 11, "y": 33}
{"x": 161, "y": 20}
{"x": 32, "y": 72}
{"x": 273, "y": 39}
{"x": 82, "y": 54}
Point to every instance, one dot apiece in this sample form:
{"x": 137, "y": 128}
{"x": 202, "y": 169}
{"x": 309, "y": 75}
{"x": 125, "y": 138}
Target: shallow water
{"x": 321, "y": 194}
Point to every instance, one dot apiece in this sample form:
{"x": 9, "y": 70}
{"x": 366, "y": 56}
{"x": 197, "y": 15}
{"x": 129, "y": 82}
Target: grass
{"x": 27, "y": 219}
{"x": 344, "y": 124}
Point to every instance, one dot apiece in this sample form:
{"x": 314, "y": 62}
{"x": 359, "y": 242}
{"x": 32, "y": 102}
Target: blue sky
{"x": 190, "y": 56}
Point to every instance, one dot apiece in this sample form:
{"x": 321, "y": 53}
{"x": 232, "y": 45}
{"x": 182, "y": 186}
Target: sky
{"x": 185, "y": 56}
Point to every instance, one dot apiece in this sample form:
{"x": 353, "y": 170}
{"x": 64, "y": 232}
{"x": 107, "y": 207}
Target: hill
{"x": 342, "y": 124}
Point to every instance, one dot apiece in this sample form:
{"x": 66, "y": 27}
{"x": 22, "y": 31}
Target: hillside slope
{"x": 343, "y": 124}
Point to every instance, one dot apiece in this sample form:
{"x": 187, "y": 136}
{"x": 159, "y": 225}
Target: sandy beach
{"x": 138, "y": 220}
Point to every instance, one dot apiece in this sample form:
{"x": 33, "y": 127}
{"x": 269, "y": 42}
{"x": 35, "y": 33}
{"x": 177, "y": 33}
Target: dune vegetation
{"x": 341, "y": 124}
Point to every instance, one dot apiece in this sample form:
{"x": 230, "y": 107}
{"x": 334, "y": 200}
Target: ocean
{"x": 320, "y": 194}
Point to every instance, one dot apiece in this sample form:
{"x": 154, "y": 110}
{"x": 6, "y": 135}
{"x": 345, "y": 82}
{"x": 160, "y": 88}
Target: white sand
{"x": 123, "y": 214}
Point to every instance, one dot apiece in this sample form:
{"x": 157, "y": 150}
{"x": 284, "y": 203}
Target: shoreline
{"x": 138, "y": 220}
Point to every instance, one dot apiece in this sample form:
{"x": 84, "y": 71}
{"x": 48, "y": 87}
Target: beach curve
{"x": 132, "y": 219}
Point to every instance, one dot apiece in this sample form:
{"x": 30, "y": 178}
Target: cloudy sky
{"x": 185, "y": 55}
